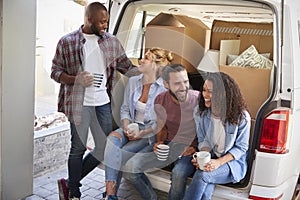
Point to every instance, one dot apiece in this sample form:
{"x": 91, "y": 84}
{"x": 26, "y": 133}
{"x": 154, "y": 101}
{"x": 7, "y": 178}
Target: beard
{"x": 95, "y": 30}
{"x": 177, "y": 97}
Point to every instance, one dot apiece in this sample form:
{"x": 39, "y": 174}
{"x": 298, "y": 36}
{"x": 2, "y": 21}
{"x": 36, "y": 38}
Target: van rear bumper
{"x": 271, "y": 170}
{"x": 286, "y": 189}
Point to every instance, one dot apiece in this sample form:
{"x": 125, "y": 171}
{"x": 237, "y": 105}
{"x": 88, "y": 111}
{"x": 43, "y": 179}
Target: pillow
{"x": 266, "y": 55}
{"x": 231, "y": 58}
{"x": 251, "y": 58}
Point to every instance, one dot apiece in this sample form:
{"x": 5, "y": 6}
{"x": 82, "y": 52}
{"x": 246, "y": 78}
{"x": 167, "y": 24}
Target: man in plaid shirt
{"x": 85, "y": 65}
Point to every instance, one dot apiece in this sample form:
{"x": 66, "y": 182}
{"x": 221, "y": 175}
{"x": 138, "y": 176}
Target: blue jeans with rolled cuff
{"x": 118, "y": 151}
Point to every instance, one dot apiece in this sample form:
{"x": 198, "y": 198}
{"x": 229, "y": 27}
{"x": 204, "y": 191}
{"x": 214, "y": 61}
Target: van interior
{"x": 226, "y": 32}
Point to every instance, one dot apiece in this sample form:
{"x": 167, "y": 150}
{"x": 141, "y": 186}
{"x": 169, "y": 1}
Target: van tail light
{"x": 275, "y": 131}
{"x": 265, "y": 198}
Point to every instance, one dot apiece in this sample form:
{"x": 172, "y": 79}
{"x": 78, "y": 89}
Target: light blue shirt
{"x": 236, "y": 140}
{"x": 133, "y": 92}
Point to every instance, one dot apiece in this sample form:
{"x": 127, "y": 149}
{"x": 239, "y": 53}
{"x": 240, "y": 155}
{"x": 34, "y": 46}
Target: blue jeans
{"x": 98, "y": 119}
{"x": 117, "y": 152}
{"x": 203, "y": 183}
{"x": 183, "y": 168}
{"x": 133, "y": 172}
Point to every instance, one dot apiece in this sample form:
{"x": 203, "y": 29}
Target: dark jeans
{"x": 98, "y": 119}
{"x": 146, "y": 159}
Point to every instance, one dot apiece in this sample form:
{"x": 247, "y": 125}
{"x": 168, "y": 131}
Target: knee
{"x": 114, "y": 140}
{"x": 203, "y": 176}
{"x": 178, "y": 173}
{"x": 114, "y": 134}
{"x": 132, "y": 177}
{"x": 77, "y": 150}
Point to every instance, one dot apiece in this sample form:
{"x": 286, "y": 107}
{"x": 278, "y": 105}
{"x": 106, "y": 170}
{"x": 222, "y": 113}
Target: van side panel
{"x": 293, "y": 24}
{"x": 290, "y": 54}
{"x": 294, "y": 12}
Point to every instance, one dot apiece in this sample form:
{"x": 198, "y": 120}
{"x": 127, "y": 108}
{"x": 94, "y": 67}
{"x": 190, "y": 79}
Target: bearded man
{"x": 175, "y": 127}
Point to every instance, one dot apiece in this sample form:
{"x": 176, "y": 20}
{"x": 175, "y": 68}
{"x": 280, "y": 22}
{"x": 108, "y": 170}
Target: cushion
{"x": 251, "y": 58}
{"x": 230, "y": 58}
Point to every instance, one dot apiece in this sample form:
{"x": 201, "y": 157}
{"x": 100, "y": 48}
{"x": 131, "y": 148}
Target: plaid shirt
{"x": 69, "y": 59}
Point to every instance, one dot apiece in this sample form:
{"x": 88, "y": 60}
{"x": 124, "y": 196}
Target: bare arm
{"x": 67, "y": 79}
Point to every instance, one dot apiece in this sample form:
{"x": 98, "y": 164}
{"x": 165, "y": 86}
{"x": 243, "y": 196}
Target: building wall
{"x": 58, "y": 144}
{"x": 17, "y": 72}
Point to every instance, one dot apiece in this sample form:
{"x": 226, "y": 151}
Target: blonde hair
{"x": 161, "y": 56}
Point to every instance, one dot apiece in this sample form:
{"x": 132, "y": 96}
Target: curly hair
{"x": 227, "y": 101}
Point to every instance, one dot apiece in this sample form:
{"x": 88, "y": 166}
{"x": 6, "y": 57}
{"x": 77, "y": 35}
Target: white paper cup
{"x": 202, "y": 158}
{"x": 134, "y": 127}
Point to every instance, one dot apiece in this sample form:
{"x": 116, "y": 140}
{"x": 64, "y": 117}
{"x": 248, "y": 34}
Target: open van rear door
{"x": 283, "y": 88}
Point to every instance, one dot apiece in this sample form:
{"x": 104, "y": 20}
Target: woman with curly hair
{"x": 223, "y": 129}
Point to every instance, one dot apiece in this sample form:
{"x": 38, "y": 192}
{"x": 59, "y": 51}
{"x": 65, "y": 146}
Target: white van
{"x": 273, "y": 95}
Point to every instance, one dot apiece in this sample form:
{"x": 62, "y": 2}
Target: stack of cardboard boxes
{"x": 187, "y": 38}
{"x": 258, "y": 34}
{"x": 253, "y": 82}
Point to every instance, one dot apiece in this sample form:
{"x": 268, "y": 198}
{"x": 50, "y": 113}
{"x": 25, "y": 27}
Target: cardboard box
{"x": 187, "y": 38}
{"x": 228, "y": 47}
{"x": 254, "y": 84}
{"x": 258, "y": 34}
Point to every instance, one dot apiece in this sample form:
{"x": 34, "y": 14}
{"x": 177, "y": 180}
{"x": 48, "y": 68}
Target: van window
{"x": 136, "y": 34}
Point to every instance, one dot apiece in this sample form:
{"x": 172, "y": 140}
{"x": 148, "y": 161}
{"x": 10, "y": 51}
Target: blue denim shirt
{"x": 236, "y": 142}
{"x": 133, "y": 92}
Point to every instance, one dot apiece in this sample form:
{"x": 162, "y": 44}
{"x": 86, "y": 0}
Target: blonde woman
{"x": 137, "y": 107}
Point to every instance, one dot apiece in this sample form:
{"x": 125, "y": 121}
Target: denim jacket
{"x": 133, "y": 92}
{"x": 236, "y": 142}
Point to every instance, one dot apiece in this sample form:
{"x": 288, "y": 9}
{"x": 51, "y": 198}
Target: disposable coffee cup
{"x": 162, "y": 152}
{"x": 134, "y": 127}
{"x": 202, "y": 157}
